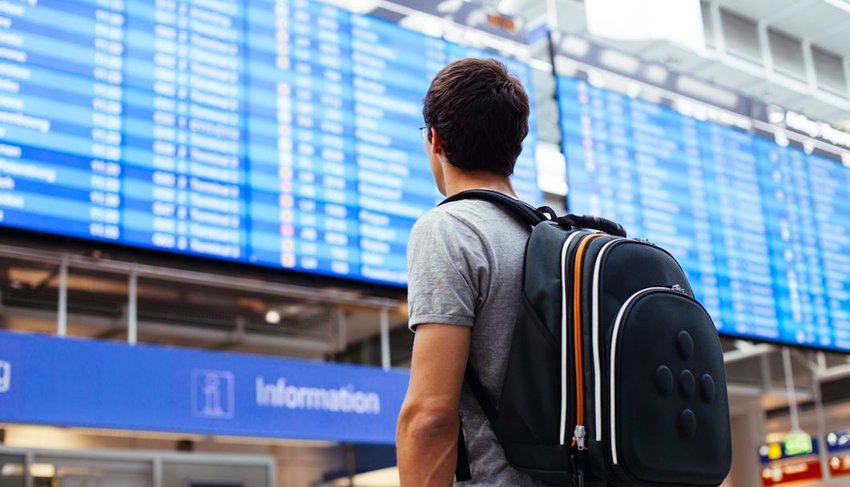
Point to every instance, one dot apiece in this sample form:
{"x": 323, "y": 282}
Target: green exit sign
{"x": 797, "y": 444}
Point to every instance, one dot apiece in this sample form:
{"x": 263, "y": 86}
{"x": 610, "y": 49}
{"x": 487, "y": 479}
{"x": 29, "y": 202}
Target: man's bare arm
{"x": 428, "y": 424}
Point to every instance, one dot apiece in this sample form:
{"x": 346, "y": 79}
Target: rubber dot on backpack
{"x": 663, "y": 380}
{"x": 685, "y": 345}
{"x": 707, "y": 388}
{"x": 687, "y": 384}
{"x": 687, "y": 424}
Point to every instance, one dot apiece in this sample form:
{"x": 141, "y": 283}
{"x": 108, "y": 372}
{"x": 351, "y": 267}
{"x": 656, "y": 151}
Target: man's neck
{"x": 459, "y": 180}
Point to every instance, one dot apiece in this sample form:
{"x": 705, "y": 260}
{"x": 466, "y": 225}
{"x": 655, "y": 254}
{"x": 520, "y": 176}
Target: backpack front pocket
{"x": 667, "y": 413}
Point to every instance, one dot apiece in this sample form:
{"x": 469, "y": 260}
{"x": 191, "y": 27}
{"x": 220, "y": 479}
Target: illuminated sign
{"x": 839, "y": 465}
{"x": 795, "y": 445}
{"x": 838, "y": 441}
{"x": 812, "y": 128}
{"x": 791, "y": 473}
{"x": 151, "y": 388}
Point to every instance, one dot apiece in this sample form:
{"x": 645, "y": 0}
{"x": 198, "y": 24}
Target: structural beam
{"x": 764, "y": 47}
{"x": 755, "y": 351}
{"x": 834, "y": 373}
{"x": 202, "y": 278}
{"x": 809, "y": 64}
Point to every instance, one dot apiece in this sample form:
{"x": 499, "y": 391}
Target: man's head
{"x": 480, "y": 114}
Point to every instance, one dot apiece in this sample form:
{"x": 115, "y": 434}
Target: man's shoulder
{"x": 478, "y": 216}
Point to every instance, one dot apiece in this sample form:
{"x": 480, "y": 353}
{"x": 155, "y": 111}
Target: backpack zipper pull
{"x": 578, "y": 436}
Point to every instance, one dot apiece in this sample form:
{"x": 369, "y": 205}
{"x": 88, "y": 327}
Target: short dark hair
{"x": 480, "y": 112}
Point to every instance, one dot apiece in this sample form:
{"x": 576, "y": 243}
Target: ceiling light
{"x": 359, "y": 7}
{"x": 575, "y": 46}
{"x": 449, "y": 6}
{"x": 840, "y": 4}
{"x": 620, "y": 61}
{"x": 656, "y": 74}
{"x": 775, "y": 437}
{"x": 678, "y": 21}
{"x": 427, "y": 24}
{"x": 43, "y": 470}
{"x": 272, "y": 317}
{"x": 712, "y": 93}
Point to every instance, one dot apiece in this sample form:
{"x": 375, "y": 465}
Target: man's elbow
{"x": 428, "y": 422}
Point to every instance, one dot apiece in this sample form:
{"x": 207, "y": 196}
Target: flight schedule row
{"x": 276, "y": 132}
{"x": 761, "y": 227}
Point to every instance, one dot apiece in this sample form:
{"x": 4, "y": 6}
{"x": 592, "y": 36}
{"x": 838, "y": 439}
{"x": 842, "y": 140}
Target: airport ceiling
{"x": 787, "y": 26}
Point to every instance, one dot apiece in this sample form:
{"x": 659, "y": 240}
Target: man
{"x": 465, "y": 262}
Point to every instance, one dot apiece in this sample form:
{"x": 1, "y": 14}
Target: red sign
{"x": 839, "y": 465}
{"x": 786, "y": 473}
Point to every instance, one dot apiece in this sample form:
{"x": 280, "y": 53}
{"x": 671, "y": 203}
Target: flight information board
{"x": 281, "y": 133}
{"x": 761, "y": 227}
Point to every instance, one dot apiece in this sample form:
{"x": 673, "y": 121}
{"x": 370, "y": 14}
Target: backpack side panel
{"x": 528, "y": 420}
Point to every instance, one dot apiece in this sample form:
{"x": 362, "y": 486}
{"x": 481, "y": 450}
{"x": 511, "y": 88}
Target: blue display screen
{"x": 762, "y": 229}
{"x": 281, "y": 133}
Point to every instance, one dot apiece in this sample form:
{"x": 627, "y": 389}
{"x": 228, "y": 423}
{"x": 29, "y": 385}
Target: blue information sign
{"x": 97, "y": 384}
{"x": 837, "y": 441}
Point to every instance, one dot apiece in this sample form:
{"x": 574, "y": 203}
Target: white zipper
{"x": 564, "y": 320}
{"x": 614, "y": 337}
{"x": 597, "y": 381}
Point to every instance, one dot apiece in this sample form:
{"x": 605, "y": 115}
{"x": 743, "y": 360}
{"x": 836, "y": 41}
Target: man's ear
{"x": 436, "y": 142}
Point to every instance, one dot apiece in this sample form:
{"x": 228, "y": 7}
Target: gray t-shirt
{"x": 465, "y": 264}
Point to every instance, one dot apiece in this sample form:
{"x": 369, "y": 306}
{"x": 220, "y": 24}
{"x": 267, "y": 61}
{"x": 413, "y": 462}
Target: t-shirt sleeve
{"x": 447, "y": 271}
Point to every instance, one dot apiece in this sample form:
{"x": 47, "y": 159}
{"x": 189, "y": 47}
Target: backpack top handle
{"x": 532, "y": 216}
{"x": 594, "y": 222}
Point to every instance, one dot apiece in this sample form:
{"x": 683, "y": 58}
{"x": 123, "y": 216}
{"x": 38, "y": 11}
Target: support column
{"x": 62, "y": 311}
{"x": 341, "y": 330}
{"x": 29, "y": 458}
{"x": 385, "y": 339}
{"x": 132, "y": 309}
{"x": 820, "y": 434}
{"x": 157, "y": 472}
{"x": 748, "y": 433}
{"x": 764, "y": 45}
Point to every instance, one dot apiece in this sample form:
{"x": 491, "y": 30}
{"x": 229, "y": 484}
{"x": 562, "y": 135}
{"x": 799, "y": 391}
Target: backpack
{"x": 615, "y": 372}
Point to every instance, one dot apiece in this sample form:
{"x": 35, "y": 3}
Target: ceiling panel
{"x": 826, "y": 25}
{"x": 818, "y": 20}
{"x": 836, "y": 38}
{"x": 762, "y": 9}
{"x": 811, "y": 22}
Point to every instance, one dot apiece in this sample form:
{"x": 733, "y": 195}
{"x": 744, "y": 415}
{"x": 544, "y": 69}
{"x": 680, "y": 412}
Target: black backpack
{"x": 615, "y": 373}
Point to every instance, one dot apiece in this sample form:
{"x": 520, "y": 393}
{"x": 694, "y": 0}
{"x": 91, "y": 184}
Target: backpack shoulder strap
{"x": 526, "y": 213}
{"x": 462, "y": 469}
